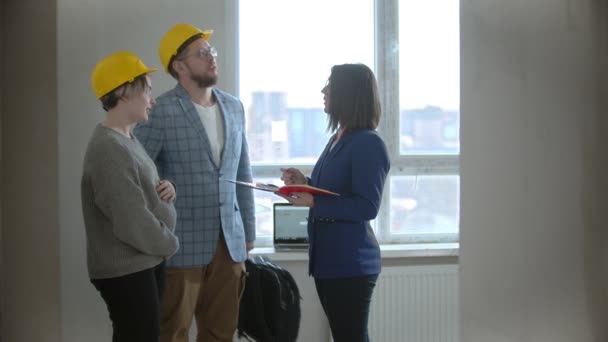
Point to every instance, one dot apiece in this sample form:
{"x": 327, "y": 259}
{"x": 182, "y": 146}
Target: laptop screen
{"x": 290, "y": 224}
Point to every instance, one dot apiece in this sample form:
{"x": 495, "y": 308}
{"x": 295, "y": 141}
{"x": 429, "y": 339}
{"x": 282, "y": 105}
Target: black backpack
{"x": 270, "y": 306}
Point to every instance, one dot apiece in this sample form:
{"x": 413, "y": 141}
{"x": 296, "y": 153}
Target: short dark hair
{"x": 180, "y": 52}
{"x": 354, "y": 102}
{"x": 110, "y": 100}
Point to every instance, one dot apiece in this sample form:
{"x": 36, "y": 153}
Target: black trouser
{"x": 346, "y": 303}
{"x": 133, "y": 302}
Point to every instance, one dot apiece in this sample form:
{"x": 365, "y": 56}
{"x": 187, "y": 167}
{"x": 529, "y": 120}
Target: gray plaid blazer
{"x": 176, "y": 140}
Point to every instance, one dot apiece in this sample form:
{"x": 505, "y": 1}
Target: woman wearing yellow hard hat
{"x": 128, "y": 211}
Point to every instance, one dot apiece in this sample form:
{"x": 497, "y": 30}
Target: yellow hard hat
{"x": 115, "y": 70}
{"x": 174, "y": 39}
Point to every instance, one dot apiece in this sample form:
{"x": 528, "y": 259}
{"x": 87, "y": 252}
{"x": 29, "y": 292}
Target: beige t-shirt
{"x": 214, "y": 126}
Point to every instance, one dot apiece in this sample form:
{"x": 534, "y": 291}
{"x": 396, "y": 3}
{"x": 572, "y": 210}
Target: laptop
{"x": 289, "y": 225}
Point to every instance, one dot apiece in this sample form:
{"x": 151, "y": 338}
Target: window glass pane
{"x": 426, "y": 206}
{"x": 429, "y": 76}
{"x": 286, "y": 51}
{"x": 263, "y": 208}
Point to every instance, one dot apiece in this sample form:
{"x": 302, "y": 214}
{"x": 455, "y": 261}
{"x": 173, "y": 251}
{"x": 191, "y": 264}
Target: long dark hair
{"x": 354, "y": 102}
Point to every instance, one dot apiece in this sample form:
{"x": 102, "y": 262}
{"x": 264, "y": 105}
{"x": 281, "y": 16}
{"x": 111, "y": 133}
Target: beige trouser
{"x": 211, "y": 294}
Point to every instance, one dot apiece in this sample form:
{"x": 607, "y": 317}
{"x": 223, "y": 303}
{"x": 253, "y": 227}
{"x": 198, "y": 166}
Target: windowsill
{"x": 387, "y": 251}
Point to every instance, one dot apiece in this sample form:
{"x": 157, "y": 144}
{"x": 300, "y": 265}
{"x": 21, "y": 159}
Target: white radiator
{"x": 415, "y": 304}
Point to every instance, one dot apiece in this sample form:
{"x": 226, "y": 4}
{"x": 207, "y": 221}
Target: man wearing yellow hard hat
{"x": 128, "y": 210}
{"x": 196, "y": 136}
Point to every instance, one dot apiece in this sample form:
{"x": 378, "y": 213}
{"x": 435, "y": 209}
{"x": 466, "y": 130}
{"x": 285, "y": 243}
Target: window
{"x": 286, "y": 51}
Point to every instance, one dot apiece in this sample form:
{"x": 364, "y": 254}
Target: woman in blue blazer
{"x": 344, "y": 255}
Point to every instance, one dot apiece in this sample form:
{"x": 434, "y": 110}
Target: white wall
{"x": 533, "y": 246}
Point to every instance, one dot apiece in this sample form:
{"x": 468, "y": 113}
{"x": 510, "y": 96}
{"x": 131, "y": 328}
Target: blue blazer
{"x": 176, "y": 140}
{"x": 342, "y": 243}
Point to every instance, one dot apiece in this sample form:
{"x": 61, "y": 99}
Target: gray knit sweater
{"x": 128, "y": 227}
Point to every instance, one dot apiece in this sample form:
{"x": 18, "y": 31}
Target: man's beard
{"x": 200, "y": 80}
{"x": 204, "y": 81}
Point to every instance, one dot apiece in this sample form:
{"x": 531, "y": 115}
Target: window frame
{"x": 387, "y": 72}
{"x": 386, "y": 57}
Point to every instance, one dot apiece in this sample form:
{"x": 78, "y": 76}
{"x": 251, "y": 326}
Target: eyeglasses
{"x": 204, "y": 52}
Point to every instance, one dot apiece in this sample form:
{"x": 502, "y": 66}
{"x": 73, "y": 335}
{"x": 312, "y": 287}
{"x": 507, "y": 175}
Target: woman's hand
{"x": 166, "y": 191}
{"x": 293, "y": 176}
{"x": 299, "y": 199}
